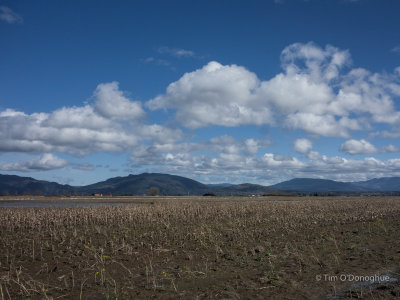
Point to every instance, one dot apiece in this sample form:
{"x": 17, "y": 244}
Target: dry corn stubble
{"x": 192, "y": 247}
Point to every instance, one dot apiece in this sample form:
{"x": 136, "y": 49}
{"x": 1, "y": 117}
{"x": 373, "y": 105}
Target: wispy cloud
{"x": 285, "y": 1}
{"x": 396, "y": 49}
{"x": 84, "y": 167}
{"x": 9, "y": 16}
{"x": 167, "y": 53}
{"x": 157, "y": 61}
{"x": 176, "y": 52}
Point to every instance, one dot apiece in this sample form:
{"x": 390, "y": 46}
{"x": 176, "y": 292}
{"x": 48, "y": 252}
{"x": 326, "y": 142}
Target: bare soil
{"x": 202, "y": 248}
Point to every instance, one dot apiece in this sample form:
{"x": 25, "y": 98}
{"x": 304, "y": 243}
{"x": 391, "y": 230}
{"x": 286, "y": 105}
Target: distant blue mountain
{"x": 17, "y": 185}
{"x": 177, "y": 185}
{"x": 386, "y": 184}
{"x": 219, "y": 184}
{"x": 317, "y": 185}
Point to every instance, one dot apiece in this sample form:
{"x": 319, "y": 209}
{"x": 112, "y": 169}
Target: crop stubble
{"x": 235, "y": 248}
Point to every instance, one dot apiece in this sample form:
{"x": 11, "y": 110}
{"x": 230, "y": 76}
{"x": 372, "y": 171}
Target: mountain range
{"x": 166, "y": 184}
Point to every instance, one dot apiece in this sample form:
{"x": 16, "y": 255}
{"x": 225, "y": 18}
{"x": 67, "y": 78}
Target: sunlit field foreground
{"x": 183, "y": 248}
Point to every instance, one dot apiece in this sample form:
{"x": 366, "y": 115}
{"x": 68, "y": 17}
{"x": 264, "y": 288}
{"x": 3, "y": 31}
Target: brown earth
{"x": 202, "y": 248}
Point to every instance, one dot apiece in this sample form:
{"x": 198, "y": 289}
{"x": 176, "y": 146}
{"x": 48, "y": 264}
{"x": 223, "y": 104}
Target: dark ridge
{"x": 165, "y": 184}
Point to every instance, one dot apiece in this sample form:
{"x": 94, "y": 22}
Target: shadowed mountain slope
{"x": 12, "y": 184}
{"x": 140, "y": 184}
{"x": 178, "y": 185}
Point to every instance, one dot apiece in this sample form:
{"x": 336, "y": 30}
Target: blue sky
{"x": 218, "y": 91}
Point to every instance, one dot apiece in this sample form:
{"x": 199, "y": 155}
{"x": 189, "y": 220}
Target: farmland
{"x": 201, "y": 247}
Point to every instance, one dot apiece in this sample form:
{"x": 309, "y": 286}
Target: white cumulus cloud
{"x": 358, "y": 147}
{"x": 317, "y": 92}
{"x": 302, "y": 145}
{"x": 112, "y": 123}
{"x": 364, "y": 147}
{"x": 111, "y": 103}
{"x": 214, "y": 95}
{"x": 43, "y": 163}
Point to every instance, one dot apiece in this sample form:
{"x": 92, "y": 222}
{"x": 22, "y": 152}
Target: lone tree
{"x": 153, "y": 191}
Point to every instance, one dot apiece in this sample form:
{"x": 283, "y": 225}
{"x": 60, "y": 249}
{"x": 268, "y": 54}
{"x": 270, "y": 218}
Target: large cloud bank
{"x": 112, "y": 123}
{"x": 317, "y": 94}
